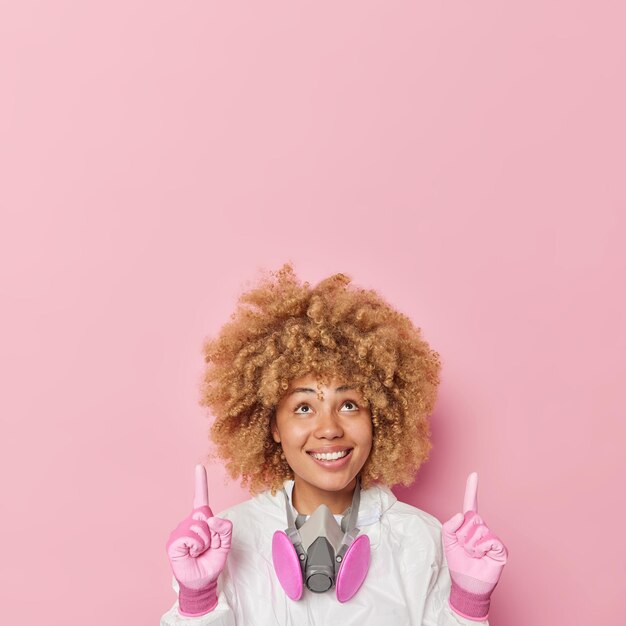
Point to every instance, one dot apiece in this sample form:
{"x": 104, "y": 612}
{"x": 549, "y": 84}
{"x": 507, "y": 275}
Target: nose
{"x": 328, "y": 425}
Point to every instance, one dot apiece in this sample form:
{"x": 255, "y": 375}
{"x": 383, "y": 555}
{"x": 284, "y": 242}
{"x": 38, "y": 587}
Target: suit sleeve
{"x": 221, "y": 615}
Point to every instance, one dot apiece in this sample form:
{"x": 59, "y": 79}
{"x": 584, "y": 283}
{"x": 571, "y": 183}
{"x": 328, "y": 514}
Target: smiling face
{"x": 326, "y": 437}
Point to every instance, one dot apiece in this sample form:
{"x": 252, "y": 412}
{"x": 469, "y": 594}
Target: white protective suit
{"x": 407, "y": 584}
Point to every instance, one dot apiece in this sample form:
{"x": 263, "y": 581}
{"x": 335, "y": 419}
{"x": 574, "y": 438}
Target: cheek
{"x": 294, "y": 435}
{"x": 364, "y": 434}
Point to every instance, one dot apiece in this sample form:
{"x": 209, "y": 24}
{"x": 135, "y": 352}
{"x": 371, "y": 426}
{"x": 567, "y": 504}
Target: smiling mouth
{"x": 331, "y": 456}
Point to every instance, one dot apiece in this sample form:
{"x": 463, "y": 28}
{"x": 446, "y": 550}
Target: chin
{"x": 332, "y": 483}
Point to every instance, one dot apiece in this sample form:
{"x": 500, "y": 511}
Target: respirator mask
{"x": 321, "y": 553}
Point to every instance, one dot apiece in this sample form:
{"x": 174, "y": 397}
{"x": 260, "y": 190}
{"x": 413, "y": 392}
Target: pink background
{"x": 466, "y": 159}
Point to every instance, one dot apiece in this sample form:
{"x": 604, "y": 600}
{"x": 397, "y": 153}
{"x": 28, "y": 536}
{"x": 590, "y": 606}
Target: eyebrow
{"x": 308, "y": 390}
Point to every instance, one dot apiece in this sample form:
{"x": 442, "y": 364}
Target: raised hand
{"x": 475, "y": 557}
{"x": 197, "y": 549}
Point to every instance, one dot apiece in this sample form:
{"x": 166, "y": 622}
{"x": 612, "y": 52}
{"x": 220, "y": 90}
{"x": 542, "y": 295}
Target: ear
{"x": 274, "y": 429}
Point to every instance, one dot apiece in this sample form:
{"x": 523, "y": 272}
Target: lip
{"x": 332, "y": 465}
{"x": 328, "y": 449}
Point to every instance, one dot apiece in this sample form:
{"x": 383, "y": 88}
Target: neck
{"x": 306, "y": 497}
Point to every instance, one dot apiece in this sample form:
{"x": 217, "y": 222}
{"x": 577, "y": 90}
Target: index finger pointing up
{"x": 470, "y": 502}
{"x": 201, "y": 497}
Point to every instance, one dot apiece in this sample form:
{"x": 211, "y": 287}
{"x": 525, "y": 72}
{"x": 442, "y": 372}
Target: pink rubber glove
{"x": 475, "y": 557}
{"x": 197, "y": 549}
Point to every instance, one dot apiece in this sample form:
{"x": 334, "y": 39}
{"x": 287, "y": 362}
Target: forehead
{"x": 311, "y": 384}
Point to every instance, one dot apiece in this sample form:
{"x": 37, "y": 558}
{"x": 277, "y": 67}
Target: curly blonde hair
{"x": 282, "y": 330}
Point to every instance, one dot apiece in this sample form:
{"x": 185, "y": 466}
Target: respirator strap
{"x": 351, "y": 532}
{"x": 354, "y": 508}
{"x": 292, "y": 532}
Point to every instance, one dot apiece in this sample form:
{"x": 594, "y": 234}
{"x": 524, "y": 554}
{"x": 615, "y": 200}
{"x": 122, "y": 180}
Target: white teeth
{"x": 329, "y": 456}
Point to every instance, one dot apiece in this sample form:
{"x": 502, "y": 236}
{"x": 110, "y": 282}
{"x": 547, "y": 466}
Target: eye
{"x": 354, "y": 405}
{"x": 302, "y": 406}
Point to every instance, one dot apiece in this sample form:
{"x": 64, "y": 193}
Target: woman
{"x": 321, "y": 397}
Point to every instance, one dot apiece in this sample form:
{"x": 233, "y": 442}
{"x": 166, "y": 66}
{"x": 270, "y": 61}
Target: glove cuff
{"x": 474, "y": 606}
{"x": 195, "y": 602}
